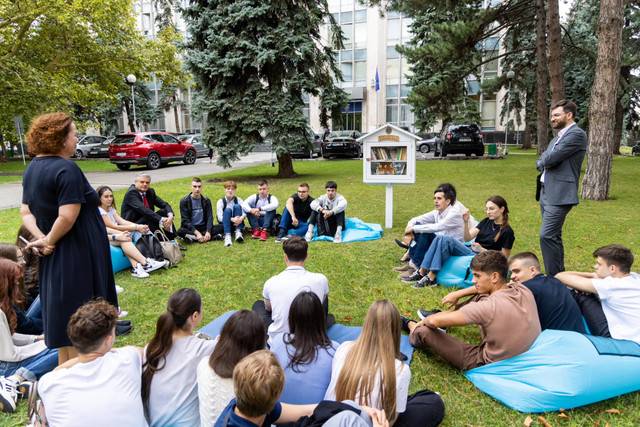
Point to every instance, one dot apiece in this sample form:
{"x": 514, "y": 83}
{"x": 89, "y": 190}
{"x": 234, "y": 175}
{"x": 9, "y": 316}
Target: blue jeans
{"x": 30, "y": 323}
{"x": 229, "y": 213}
{"x": 441, "y": 249}
{"x": 264, "y": 221}
{"x": 33, "y": 367}
{"x": 285, "y": 225}
{"x": 417, "y": 251}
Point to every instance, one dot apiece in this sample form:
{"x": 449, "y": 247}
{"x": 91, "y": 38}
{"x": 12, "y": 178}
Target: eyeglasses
{"x": 302, "y": 191}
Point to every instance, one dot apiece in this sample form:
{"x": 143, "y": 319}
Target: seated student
{"x": 492, "y": 233}
{"x": 506, "y": 314}
{"x": 23, "y": 358}
{"x": 279, "y": 291}
{"x": 230, "y": 214}
{"x": 328, "y": 213}
{"x": 444, "y": 220}
{"x": 369, "y": 371}
{"x": 123, "y": 233}
{"x": 102, "y": 385}
{"x": 258, "y": 380}
{"x": 196, "y": 215}
{"x": 296, "y": 213}
{"x": 260, "y": 209}
{"x": 556, "y": 307}
{"x": 139, "y": 205}
{"x": 609, "y": 298}
{"x": 306, "y": 353}
{"x": 242, "y": 334}
{"x": 169, "y": 386}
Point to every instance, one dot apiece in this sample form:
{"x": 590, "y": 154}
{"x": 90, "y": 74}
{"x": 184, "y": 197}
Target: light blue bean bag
{"x": 355, "y": 231}
{"x": 118, "y": 261}
{"x": 456, "y": 272}
{"x": 562, "y": 369}
{"x": 338, "y": 333}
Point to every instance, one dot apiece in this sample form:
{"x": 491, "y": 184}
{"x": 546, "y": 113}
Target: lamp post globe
{"x": 131, "y": 79}
{"x": 510, "y": 75}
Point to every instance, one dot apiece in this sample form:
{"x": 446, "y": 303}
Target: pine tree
{"x": 252, "y": 61}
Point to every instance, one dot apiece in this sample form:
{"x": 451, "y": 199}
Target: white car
{"x": 86, "y": 143}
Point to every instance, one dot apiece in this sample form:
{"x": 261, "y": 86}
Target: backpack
{"x": 224, "y": 202}
{"x": 150, "y": 247}
{"x": 275, "y": 225}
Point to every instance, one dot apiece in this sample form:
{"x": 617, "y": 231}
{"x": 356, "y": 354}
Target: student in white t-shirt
{"x": 362, "y": 367}
{"x": 169, "y": 383}
{"x": 609, "y": 298}
{"x": 101, "y": 387}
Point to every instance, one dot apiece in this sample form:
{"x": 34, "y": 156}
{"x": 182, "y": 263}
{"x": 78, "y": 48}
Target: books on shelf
{"x": 389, "y": 153}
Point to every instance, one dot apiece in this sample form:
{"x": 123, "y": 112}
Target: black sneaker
{"x": 405, "y": 324}
{"x": 123, "y": 330}
{"x": 23, "y": 389}
{"x": 422, "y": 314}
{"x": 414, "y": 277}
{"x": 425, "y": 282}
{"x": 402, "y": 244}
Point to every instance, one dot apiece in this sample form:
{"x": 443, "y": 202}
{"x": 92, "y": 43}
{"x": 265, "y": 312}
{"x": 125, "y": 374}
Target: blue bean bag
{"x": 355, "y": 231}
{"x": 562, "y": 369}
{"x": 456, "y": 272}
{"x": 338, "y": 333}
{"x": 118, "y": 261}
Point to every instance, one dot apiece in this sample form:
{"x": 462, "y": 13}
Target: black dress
{"x": 79, "y": 269}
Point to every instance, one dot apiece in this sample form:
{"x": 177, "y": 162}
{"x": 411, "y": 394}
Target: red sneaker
{"x": 263, "y": 235}
{"x": 256, "y": 234}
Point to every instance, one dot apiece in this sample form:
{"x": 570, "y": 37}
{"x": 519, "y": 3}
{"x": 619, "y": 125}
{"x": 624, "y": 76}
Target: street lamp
{"x": 131, "y": 79}
{"x": 510, "y": 76}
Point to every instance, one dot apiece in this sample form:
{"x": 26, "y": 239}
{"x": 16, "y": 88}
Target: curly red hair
{"x": 10, "y": 274}
{"x": 48, "y": 133}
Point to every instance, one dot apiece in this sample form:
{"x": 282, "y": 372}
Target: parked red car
{"x": 149, "y": 148}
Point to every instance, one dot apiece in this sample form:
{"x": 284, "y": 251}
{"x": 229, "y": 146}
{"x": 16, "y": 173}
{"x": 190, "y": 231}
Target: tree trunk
{"x": 597, "y": 178}
{"x": 176, "y": 117}
{"x": 541, "y": 71}
{"x": 5, "y": 156}
{"x": 619, "y": 122}
{"x": 556, "y": 72}
{"x": 127, "y": 108}
{"x": 285, "y": 166}
{"x": 526, "y": 140}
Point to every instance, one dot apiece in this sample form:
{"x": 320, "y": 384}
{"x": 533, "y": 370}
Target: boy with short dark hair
{"x": 506, "y": 314}
{"x": 260, "y": 209}
{"x": 196, "y": 216}
{"x": 328, "y": 214}
{"x": 296, "y": 213}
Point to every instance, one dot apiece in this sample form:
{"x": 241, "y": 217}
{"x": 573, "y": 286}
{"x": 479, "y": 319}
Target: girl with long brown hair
{"x": 369, "y": 371}
{"x": 169, "y": 386}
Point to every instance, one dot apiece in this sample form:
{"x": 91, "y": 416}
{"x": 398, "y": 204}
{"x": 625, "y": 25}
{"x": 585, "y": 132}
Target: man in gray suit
{"x": 560, "y": 165}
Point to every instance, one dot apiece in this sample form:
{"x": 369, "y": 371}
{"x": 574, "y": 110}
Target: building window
{"x": 352, "y": 18}
{"x": 399, "y": 112}
{"x": 488, "y": 112}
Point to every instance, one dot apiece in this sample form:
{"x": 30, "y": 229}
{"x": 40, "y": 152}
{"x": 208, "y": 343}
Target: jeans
{"x": 30, "y": 323}
{"x": 264, "y": 221}
{"x": 417, "y": 251}
{"x": 226, "y": 219}
{"x": 285, "y": 225}
{"x": 440, "y": 250}
{"x": 33, "y": 367}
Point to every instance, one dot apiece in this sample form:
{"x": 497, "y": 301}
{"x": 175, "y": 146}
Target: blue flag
{"x": 377, "y": 81}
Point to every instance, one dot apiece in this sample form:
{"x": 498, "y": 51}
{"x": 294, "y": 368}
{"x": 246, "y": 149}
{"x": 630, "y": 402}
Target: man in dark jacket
{"x": 196, "y": 215}
{"x": 139, "y": 205}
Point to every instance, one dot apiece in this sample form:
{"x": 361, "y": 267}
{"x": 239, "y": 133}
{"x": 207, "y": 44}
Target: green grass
{"x": 360, "y": 273}
{"x": 12, "y": 170}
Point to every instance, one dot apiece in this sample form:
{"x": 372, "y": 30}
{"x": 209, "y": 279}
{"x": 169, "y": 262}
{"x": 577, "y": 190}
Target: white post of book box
{"x": 389, "y": 158}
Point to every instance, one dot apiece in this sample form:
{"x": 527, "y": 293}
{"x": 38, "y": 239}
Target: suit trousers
{"x": 553, "y": 217}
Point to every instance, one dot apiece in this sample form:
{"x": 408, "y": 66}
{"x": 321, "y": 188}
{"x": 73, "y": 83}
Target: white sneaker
{"x": 153, "y": 265}
{"x": 239, "y": 237}
{"x": 119, "y": 289}
{"x": 122, "y": 313}
{"x": 309, "y": 236}
{"x": 227, "y": 240}
{"x": 8, "y": 395}
{"x": 338, "y": 237}
{"x": 139, "y": 272}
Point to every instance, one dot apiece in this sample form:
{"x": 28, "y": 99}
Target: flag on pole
{"x": 377, "y": 80}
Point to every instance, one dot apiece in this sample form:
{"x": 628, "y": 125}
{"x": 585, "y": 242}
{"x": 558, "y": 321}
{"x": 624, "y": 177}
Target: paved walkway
{"x": 11, "y": 193}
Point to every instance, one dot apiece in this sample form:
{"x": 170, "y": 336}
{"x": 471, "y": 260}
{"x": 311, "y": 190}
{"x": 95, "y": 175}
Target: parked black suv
{"x": 465, "y": 138}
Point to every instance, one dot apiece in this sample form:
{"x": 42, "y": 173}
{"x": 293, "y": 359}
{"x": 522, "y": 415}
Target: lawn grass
{"x": 360, "y": 273}
{"x": 12, "y": 170}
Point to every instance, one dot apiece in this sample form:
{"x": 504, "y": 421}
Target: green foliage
{"x": 252, "y": 61}
{"x": 360, "y": 273}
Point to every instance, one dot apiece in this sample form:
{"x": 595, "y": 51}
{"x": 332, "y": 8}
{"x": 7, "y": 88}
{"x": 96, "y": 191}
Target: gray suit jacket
{"x": 563, "y": 166}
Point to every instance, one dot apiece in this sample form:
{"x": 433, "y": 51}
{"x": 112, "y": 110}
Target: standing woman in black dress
{"x": 60, "y": 209}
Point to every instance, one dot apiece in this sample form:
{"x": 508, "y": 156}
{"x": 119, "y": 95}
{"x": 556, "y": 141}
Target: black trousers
{"x": 217, "y": 229}
{"x": 327, "y": 227}
{"x": 424, "y": 409}
{"x": 260, "y": 308}
{"x": 154, "y": 226}
{"x": 591, "y": 309}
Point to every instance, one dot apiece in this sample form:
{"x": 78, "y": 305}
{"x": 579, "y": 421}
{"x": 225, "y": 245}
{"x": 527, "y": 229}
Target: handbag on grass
{"x": 35, "y": 412}
{"x": 170, "y": 249}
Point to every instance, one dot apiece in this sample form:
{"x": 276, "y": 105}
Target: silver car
{"x": 196, "y": 141}
{"x": 86, "y": 143}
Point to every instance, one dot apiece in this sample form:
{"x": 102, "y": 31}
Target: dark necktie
{"x": 144, "y": 199}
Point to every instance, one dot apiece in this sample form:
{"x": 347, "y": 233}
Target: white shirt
{"x": 620, "y": 299}
{"x": 446, "y": 223}
{"x": 111, "y": 214}
{"x": 17, "y": 347}
{"x": 214, "y": 393}
{"x": 173, "y": 399}
{"x": 280, "y": 290}
{"x": 254, "y": 201}
{"x": 337, "y": 205}
{"x": 104, "y": 392}
{"x": 230, "y": 205}
{"x": 403, "y": 378}
{"x": 561, "y": 133}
